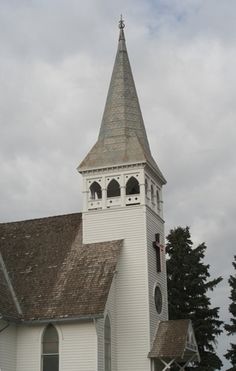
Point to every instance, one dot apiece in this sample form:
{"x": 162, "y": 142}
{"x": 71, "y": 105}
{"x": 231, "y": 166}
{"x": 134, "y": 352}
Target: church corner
{"x": 88, "y": 291}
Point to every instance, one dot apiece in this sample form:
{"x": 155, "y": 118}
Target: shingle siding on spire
{"x": 122, "y": 114}
{"x": 122, "y": 137}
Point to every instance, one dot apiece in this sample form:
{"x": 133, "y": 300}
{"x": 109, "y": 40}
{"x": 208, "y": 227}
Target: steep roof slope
{"x": 53, "y": 274}
{"x": 122, "y": 138}
{"x": 7, "y": 305}
{"x": 175, "y": 339}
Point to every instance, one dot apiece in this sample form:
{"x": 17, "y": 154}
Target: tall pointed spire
{"x": 122, "y": 138}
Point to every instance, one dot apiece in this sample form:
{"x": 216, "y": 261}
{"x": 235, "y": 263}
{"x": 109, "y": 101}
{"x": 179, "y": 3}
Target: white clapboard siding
{"x": 155, "y": 225}
{"x": 28, "y": 348}
{"x": 111, "y": 311}
{"x": 77, "y": 347}
{"x": 100, "y": 344}
{"x": 132, "y": 302}
{"x": 7, "y": 347}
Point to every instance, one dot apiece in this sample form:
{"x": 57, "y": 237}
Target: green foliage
{"x": 188, "y": 285}
{"x": 231, "y": 328}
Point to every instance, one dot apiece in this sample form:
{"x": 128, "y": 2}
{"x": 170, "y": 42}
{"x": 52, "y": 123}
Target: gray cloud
{"x": 56, "y": 59}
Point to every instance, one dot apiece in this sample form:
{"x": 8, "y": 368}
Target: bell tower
{"x": 122, "y": 199}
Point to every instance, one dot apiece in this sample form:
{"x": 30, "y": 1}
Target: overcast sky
{"x": 56, "y": 58}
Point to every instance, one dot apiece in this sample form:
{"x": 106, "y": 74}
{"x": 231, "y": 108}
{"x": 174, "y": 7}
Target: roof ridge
{"x": 40, "y": 218}
{"x": 10, "y": 287}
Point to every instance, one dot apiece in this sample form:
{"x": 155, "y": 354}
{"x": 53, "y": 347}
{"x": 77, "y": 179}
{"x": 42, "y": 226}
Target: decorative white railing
{"x": 94, "y": 204}
{"x": 113, "y": 201}
{"x": 132, "y": 199}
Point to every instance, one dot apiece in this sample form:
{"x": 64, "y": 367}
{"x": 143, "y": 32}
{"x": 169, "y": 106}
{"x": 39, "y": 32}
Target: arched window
{"x": 107, "y": 344}
{"x": 158, "y": 201}
{"x": 50, "y": 349}
{"x": 132, "y": 186}
{"x": 95, "y": 191}
{"x": 152, "y": 193}
{"x": 146, "y": 187}
{"x": 113, "y": 189}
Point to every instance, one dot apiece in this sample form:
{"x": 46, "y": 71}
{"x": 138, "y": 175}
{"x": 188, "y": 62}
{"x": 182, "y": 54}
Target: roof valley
{"x": 67, "y": 265}
{"x": 10, "y": 287}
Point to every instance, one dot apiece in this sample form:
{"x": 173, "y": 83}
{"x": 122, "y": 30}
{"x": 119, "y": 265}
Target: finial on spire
{"x": 121, "y": 23}
{"x": 122, "y": 35}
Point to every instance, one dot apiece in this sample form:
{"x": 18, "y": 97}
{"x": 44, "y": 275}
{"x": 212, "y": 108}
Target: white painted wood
{"x": 103, "y": 177}
{"x": 77, "y": 345}
{"x": 155, "y": 225}
{"x": 100, "y": 344}
{"x": 7, "y": 347}
{"x": 131, "y": 301}
{"x": 111, "y": 311}
{"x": 28, "y": 348}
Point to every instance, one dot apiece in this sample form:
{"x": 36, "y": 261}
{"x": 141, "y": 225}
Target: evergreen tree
{"x": 188, "y": 285}
{"x": 231, "y": 328}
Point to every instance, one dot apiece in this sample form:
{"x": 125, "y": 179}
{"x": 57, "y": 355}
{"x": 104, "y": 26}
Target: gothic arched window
{"x": 107, "y": 344}
{"x": 50, "y": 349}
{"x": 132, "y": 186}
{"x": 152, "y": 193}
{"x": 113, "y": 189}
{"x": 95, "y": 191}
{"x": 146, "y": 187}
{"x": 158, "y": 201}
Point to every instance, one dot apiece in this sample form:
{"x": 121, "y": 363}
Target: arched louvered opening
{"x": 146, "y": 187}
{"x": 107, "y": 344}
{"x": 158, "y": 201}
{"x": 95, "y": 191}
{"x": 152, "y": 193}
{"x": 50, "y": 349}
{"x": 132, "y": 186}
{"x": 113, "y": 189}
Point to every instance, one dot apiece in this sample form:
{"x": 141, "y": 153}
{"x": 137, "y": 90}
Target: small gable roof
{"x": 174, "y": 340}
{"x": 53, "y": 274}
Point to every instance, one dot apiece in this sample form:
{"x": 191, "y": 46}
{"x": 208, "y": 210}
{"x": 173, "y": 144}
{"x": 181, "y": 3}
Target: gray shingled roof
{"x": 52, "y": 273}
{"x": 122, "y": 138}
{"x": 171, "y": 341}
{"x": 7, "y": 306}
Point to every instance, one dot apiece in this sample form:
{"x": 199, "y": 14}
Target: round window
{"x": 158, "y": 299}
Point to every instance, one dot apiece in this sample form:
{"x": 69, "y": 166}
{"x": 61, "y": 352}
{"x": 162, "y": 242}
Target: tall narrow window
{"x": 50, "y": 349}
{"x": 158, "y": 201}
{"x": 152, "y": 193}
{"x": 132, "y": 186}
{"x": 146, "y": 187}
{"x": 107, "y": 344}
{"x": 113, "y": 189}
{"x": 95, "y": 191}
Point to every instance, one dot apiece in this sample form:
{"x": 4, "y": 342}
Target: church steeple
{"x": 122, "y": 138}
{"x": 122, "y": 199}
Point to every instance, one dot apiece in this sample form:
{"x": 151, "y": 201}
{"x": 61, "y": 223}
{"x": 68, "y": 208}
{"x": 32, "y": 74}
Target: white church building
{"x": 88, "y": 291}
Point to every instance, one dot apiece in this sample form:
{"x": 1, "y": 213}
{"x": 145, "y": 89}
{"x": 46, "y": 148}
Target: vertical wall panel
{"x": 28, "y": 348}
{"x": 132, "y": 305}
{"x": 77, "y": 344}
{"x": 155, "y": 225}
{"x": 78, "y": 347}
{"x": 7, "y": 347}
